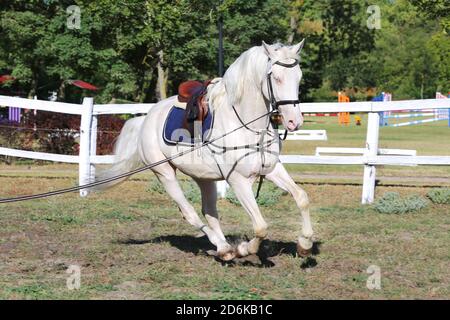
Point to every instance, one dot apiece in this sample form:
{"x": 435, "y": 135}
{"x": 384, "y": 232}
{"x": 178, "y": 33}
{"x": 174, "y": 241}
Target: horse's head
{"x": 281, "y": 86}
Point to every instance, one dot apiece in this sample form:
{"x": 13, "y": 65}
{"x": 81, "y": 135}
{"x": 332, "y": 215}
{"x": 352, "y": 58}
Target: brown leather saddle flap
{"x": 187, "y": 89}
{"x": 194, "y": 94}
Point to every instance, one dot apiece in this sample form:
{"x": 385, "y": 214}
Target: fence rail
{"x": 371, "y": 156}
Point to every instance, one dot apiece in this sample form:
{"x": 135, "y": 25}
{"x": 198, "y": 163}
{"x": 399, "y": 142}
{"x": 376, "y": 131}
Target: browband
{"x": 287, "y": 65}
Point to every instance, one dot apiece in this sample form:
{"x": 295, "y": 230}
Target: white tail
{"x": 126, "y": 155}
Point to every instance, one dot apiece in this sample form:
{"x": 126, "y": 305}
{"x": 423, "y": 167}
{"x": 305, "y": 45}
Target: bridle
{"x": 272, "y": 113}
{"x": 272, "y": 110}
{"x": 273, "y": 102}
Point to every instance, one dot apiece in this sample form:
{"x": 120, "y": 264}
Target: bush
{"x": 109, "y": 127}
{"x": 415, "y": 203}
{"x": 391, "y": 202}
{"x": 56, "y": 133}
{"x": 269, "y": 195}
{"x": 439, "y": 195}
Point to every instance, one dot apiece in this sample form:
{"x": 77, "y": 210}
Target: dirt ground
{"x": 131, "y": 243}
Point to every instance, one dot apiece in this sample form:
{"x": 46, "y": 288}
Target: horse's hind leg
{"x": 209, "y": 205}
{"x": 166, "y": 175}
{"x": 282, "y": 179}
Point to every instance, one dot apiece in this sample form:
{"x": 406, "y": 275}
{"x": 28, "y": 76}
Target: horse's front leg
{"x": 243, "y": 189}
{"x": 166, "y": 175}
{"x": 209, "y": 206}
{"x": 282, "y": 179}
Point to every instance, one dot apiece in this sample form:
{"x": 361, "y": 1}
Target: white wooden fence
{"x": 370, "y": 156}
{"x": 87, "y": 157}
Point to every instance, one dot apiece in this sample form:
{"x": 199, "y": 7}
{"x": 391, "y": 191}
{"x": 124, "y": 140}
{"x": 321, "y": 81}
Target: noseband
{"x": 273, "y": 102}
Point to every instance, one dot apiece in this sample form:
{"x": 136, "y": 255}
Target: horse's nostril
{"x": 291, "y": 126}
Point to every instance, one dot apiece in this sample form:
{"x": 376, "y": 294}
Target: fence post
{"x": 84, "y": 173}
{"x": 93, "y": 146}
{"x": 373, "y": 129}
{"x": 222, "y": 187}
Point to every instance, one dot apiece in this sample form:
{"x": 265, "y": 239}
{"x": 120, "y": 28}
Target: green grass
{"x": 421, "y": 137}
{"x": 427, "y": 139}
{"x": 131, "y": 243}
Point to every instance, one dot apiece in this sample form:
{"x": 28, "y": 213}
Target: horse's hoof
{"x": 303, "y": 252}
{"x": 304, "y": 247}
{"x": 227, "y": 255}
{"x": 242, "y": 249}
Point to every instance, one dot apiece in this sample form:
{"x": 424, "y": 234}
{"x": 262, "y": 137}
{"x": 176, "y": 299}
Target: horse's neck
{"x": 252, "y": 106}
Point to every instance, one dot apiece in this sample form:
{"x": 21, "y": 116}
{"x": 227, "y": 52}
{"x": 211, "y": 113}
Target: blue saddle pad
{"x": 175, "y": 120}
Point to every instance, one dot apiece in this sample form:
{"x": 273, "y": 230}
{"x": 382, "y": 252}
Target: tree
{"x": 140, "y": 50}
{"x": 346, "y": 41}
{"x": 405, "y": 62}
{"x": 435, "y": 9}
{"x": 20, "y": 31}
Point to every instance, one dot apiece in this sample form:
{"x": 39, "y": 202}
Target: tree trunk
{"x": 145, "y": 85}
{"x": 33, "y": 89}
{"x": 422, "y": 87}
{"x": 62, "y": 91}
{"x": 293, "y": 26}
{"x": 163, "y": 75}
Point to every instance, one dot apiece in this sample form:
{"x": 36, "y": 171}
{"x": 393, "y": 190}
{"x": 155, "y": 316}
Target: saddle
{"x": 193, "y": 93}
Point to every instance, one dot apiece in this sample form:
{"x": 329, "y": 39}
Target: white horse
{"x": 263, "y": 78}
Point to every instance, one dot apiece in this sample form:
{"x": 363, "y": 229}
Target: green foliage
{"x": 408, "y": 60}
{"x": 439, "y": 195}
{"x": 119, "y": 44}
{"x": 269, "y": 195}
{"x": 407, "y": 56}
{"x": 435, "y": 9}
{"x": 393, "y": 203}
{"x": 344, "y": 41}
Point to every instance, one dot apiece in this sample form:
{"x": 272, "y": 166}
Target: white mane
{"x": 246, "y": 73}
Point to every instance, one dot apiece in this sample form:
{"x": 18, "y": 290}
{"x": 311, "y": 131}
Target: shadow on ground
{"x": 201, "y": 246}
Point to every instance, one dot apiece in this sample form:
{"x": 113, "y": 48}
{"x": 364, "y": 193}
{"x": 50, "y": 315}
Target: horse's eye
{"x": 277, "y": 79}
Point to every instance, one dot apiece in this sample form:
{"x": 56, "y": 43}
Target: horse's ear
{"x": 269, "y": 50}
{"x": 298, "y": 47}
